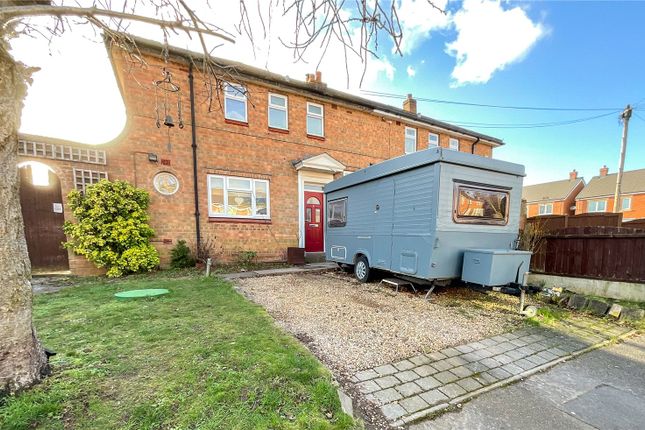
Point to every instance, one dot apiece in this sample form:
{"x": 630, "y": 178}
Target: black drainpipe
{"x": 193, "y": 130}
{"x": 472, "y": 148}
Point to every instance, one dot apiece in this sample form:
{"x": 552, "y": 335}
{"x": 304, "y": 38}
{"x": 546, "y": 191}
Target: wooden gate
{"x": 42, "y": 211}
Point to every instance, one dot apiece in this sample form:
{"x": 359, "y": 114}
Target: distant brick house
{"x": 248, "y": 174}
{"x": 553, "y": 198}
{"x": 598, "y": 195}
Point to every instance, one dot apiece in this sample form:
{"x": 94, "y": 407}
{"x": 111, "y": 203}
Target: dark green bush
{"x": 181, "y": 257}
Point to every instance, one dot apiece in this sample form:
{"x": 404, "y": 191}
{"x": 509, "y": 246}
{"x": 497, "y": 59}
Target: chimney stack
{"x": 573, "y": 175}
{"x": 315, "y": 79}
{"x": 604, "y": 170}
{"x": 410, "y": 104}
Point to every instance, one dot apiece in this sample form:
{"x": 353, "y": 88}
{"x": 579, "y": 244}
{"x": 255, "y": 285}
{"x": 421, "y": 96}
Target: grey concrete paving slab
{"x": 429, "y": 383}
{"x": 602, "y": 389}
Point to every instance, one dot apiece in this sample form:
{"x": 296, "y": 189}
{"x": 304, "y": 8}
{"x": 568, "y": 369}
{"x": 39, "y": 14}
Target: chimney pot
{"x": 573, "y": 175}
{"x": 604, "y": 170}
{"x": 410, "y": 104}
{"x": 318, "y": 76}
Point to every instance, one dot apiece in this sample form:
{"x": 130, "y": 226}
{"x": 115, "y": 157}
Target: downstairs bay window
{"x": 235, "y": 197}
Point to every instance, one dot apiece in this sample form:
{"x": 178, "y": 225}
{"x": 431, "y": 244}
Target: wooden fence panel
{"x": 611, "y": 253}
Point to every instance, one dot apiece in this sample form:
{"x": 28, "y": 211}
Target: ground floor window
{"x": 84, "y": 178}
{"x": 597, "y": 206}
{"x": 230, "y": 196}
{"x": 546, "y": 209}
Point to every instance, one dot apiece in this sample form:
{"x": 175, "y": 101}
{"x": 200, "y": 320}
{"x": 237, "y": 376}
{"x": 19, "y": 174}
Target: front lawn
{"x": 201, "y": 357}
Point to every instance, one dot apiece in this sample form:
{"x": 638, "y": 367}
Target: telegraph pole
{"x": 627, "y": 113}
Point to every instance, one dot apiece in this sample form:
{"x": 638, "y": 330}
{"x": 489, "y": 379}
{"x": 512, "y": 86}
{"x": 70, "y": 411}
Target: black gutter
{"x": 193, "y": 131}
{"x": 472, "y": 147}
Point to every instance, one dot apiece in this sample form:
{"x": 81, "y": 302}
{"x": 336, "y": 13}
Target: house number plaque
{"x": 166, "y": 183}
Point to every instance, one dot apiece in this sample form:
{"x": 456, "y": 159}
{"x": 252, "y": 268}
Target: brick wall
{"x": 636, "y": 211}
{"x": 353, "y": 136}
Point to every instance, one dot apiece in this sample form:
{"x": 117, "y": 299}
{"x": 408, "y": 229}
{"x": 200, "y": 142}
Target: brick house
{"x": 598, "y": 195}
{"x": 248, "y": 174}
{"x": 553, "y": 198}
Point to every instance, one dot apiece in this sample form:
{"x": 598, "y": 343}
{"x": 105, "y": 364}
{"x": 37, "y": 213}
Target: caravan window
{"x": 337, "y": 213}
{"x": 480, "y": 205}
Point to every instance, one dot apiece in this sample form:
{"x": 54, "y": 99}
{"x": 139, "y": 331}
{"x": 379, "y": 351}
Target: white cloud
{"x": 411, "y": 71}
{"x": 489, "y": 39}
{"x": 417, "y": 19}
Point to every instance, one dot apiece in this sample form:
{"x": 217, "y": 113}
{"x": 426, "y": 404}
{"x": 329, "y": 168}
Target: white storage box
{"x": 494, "y": 267}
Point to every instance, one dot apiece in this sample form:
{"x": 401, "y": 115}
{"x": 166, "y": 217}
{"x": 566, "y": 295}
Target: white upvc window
{"x": 235, "y": 107}
{"x": 626, "y": 203}
{"x": 453, "y": 144}
{"x": 597, "y": 206}
{"x": 546, "y": 209}
{"x": 235, "y": 197}
{"x": 433, "y": 140}
{"x": 278, "y": 111}
{"x": 315, "y": 119}
{"x": 410, "y": 140}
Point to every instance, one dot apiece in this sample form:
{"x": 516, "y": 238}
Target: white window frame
{"x": 430, "y": 143}
{"x": 315, "y": 115}
{"x": 622, "y": 204}
{"x": 225, "y": 180}
{"x": 284, "y": 108}
{"x": 227, "y": 96}
{"x": 548, "y": 209}
{"x": 452, "y": 141}
{"x": 405, "y": 139}
{"x": 596, "y": 208}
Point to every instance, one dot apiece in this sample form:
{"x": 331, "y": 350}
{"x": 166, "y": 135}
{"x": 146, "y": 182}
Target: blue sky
{"x": 547, "y": 53}
{"x": 591, "y": 55}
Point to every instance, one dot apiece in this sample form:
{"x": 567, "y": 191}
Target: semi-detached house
{"x": 246, "y": 175}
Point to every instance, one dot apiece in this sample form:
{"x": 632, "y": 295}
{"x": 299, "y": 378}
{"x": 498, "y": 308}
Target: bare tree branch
{"x": 9, "y": 14}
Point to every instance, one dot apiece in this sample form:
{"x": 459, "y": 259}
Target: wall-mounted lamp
{"x": 152, "y": 157}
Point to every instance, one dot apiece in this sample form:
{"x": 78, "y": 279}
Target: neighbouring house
{"x": 553, "y": 198}
{"x": 246, "y": 174}
{"x": 598, "y": 194}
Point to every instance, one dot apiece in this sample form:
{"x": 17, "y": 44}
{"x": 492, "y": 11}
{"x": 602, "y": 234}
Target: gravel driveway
{"x": 352, "y": 326}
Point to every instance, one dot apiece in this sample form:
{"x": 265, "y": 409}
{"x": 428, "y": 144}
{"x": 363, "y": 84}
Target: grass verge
{"x": 201, "y": 357}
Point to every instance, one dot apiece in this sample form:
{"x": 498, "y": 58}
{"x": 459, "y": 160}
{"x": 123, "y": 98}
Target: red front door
{"x": 313, "y": 222}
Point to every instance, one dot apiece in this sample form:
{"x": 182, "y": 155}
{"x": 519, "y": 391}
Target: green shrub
{"x": 246, "y": 258}
{"x": 181, "y": 257}
{"x": 111, "y": 228}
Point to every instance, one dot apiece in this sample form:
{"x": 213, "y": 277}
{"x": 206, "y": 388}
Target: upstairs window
{"x": 337, "y": 213}
{"x": 546, "y": 209}
{"x": 235, "y": 103}
{"x": 315, "y": 120}
{"x": 626, "y": 203}
{"x": 480, "y": 205}
{"x": 278, "y": 112}
{"x": 453, "y": 144}
{"x": 597, "y": 206}
{"x": 410, "y": 140}
{"x": 233, "y": 197}
{"x": 433, "y": 140}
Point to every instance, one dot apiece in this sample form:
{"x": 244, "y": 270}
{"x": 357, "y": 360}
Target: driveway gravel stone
{"x": 352, "y": 326}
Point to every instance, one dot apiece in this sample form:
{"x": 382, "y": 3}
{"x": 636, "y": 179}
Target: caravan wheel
{"x": 362, "y": 269}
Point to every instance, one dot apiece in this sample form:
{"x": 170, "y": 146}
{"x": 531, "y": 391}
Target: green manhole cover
{"x": 138, "y": 294}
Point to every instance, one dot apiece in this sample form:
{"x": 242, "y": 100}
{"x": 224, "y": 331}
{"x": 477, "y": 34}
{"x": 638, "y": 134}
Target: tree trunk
{"x": 22, "y": 359}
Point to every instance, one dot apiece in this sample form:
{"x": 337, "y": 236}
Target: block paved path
{"x": 426, "y": 384}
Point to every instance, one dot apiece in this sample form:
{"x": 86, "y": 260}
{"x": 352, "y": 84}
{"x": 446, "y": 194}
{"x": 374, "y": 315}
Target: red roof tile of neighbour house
{"x": 553, "y": 198}
{"x": 604, "y": 186}
{"x": 548, "y": 191}
{"x": 598, "y": 195}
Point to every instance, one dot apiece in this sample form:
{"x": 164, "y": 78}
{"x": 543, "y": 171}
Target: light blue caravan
{"x": 415, "y": 215}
